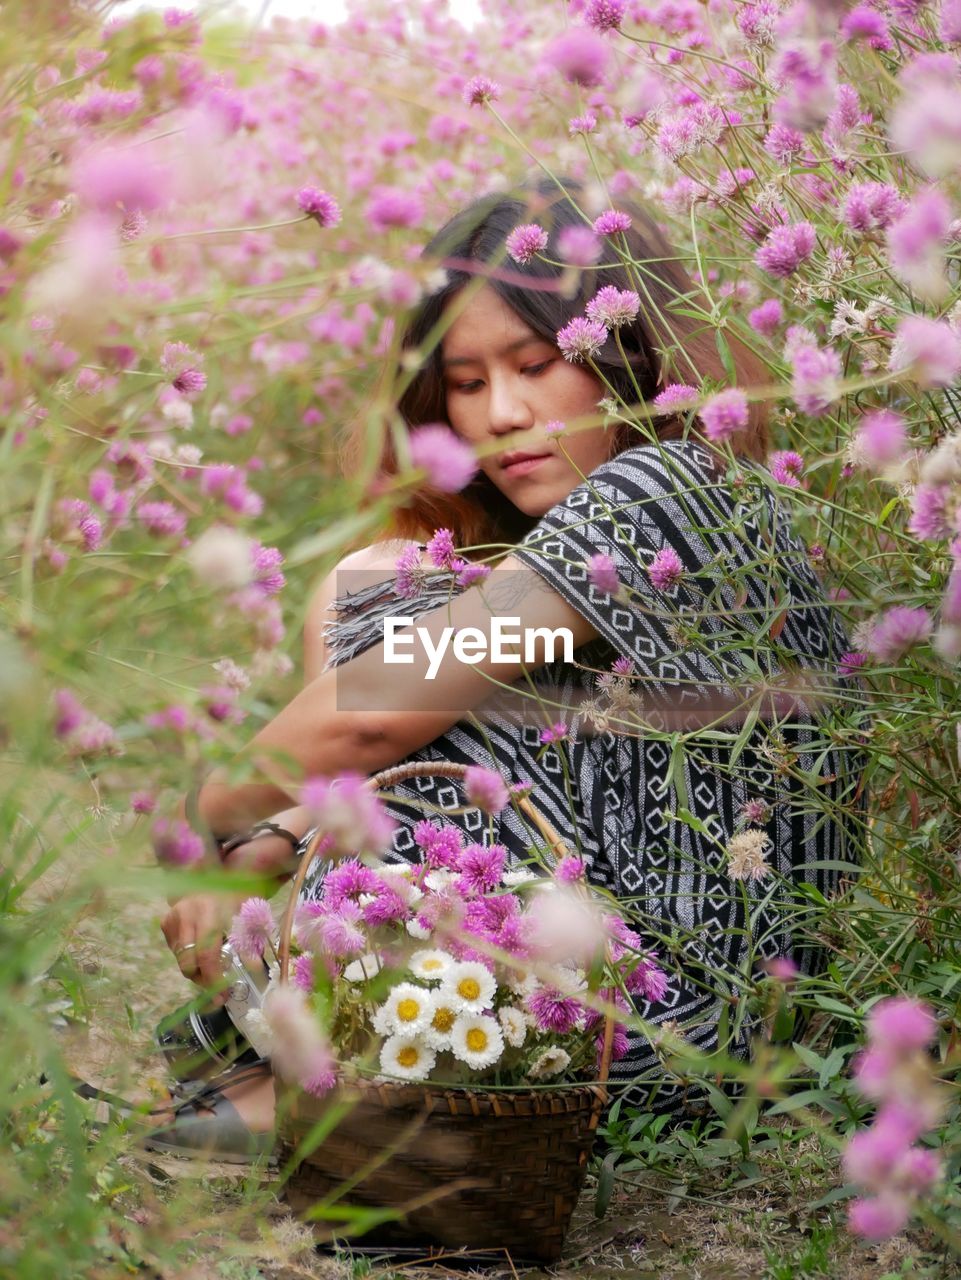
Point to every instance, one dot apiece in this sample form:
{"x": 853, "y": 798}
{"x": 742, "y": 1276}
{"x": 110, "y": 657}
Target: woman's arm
{"x": 369, "y": 713}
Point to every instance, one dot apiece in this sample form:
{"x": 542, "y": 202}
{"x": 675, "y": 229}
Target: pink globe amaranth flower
{"x": 252, "y": 928}
{"x": 70, "y": 714}
{"x": 393, "y": 207}
{"x": 525, "y": 241}
{"x": 815, "y": 376}
{"x": 647, "y": 979}
{"x": 586, "y": 123}
{"x": 783, "y": 969}
{"x": 580, "y": 55}
{"x": 555, "y": 427}
{"x": 870, "y": 206}
{"x": 340, "y": 933}
{"x": 176, "y": 844}
{"x": 411, "y": 576}
{"x": 181, "y": 364}
{"x": 871, "y": 1155}
{"x": 666, "y": 569}
{"x": 677, "y": 396}
{"x": 303, "y": 972}
{"x": 949, "y": 21}
{"x": 881, "y": 437}
{"x": 951, "y": 604}
{"x": 143, "y": 802}
{"x": 926, "y": 121}
{"x": 611, "y": 222}
{"x": 481, "y": 868}
{"x": 602, "y": 572}
{"x": 468, "y": 574}
{"x": 724, "y": 414}
{"x": 851, "y": 663}
{"x": 162, "y": 519}
{"x": 556, "y": 733}
{"x": 901, "y": 1025}
{"x": 553, "y": 1011}
{"x": 570, "y": 869}
{"x": 485, "y": 788}
{"x": 266, "y": 567}
{"x": 865, "y": 23}
{"x": 348, "y": 811}
{"x": 878, "y": 1217}
{"x": 347, "y": 881}
{"x": 766, "y": 318}
{"x": 786, "y": 248}
{"x": 613, "y": 307}
{"x": 480, "y": 89}
{"x": 916, "y": 243}
{"x": 620, "y": 1044}
{"x": 112, "y": 178}
{"x": 929, "y": 512}
{"x": 786, "y": 466}
{"x": 898, "y": 630}
{"x": 605, "y": 15}
{"x": 581, "y": 339}
{"x": 918, "y": 1170}
{"x": 440, "y": 549}
{"x": 299, "y": 1051}
{"x": 783, "y": 143}
{"x": 449, "y": 462}
{"x": 927, "y": 350}
{"x": 579, "y": 246}
{"x": 319, "y": 205}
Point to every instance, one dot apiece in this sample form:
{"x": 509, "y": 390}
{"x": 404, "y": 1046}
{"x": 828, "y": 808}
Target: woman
{"x": 667, "y": 737}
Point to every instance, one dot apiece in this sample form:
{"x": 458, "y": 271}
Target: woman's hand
{"x": 195, "y": 928}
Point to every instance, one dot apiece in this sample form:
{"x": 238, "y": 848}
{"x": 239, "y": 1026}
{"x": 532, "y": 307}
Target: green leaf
{"x": 605, "y": 1185}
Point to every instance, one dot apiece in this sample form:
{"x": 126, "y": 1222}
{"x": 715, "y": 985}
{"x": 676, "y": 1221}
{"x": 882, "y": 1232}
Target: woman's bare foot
{"x": 253, "y": 1096}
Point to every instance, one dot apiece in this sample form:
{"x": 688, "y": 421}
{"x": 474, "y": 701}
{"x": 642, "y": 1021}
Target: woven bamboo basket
{"x": 467, "y": 1168}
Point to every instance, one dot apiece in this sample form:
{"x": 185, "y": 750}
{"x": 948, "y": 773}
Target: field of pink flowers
{"x": 207, "y": 237}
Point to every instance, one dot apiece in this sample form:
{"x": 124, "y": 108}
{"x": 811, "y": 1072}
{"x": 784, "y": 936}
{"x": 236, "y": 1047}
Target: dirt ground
{"x": 649, "y": 1229}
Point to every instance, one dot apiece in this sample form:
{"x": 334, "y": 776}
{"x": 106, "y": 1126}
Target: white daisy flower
{"x": 521, "y": 982}
{"x": 408, "y": 1057}
{"x": 418, "y": 930}
{"x": 381, "y": 1021}
{"x": 408, "y": 1009}
{"x": 363, "y": 968}
{"x": 513, "y": 879}
{"x": 471, "y": 983}
{"x": 550, "y": 1063}
{"x": 477, "y": 1039}
{"x": 430, "y": 965}
{"x": 438, "y": 879}
{"x": 514, "y": 1024}
{"x": 443, "y": 1015}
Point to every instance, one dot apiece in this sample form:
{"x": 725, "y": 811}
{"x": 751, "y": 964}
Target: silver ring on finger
{"x": 186, "y": 946}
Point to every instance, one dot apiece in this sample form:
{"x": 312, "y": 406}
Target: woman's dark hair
{"x": 662, "y": 345}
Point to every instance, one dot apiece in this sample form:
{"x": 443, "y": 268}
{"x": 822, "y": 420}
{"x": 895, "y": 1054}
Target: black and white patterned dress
{"x": 651, "y": 808}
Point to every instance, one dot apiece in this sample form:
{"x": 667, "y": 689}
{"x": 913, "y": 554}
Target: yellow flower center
{"x": 443, "y": 1019}
{"x": 432, "y": 964}
{"x": 408, "y": 1056}
{"x": 477, "y": 1039}
{"x": 408, "y": 1009}
{"x": 468, "y": 988}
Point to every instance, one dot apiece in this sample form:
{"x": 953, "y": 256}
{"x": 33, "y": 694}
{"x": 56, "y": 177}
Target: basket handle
{"x": 388, "y": 778}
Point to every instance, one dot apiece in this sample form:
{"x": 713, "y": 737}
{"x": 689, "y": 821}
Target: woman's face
{"x": 503, "y": 382}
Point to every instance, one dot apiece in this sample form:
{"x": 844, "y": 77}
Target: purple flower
{"x": 485, "y": 789}
{"x": 647, "y": 979}
{"x": 901, "y": 1025}
{"x": 339, "y": 932}
{"x": 881, "y": 437}
{"x": 677, "y": 396}
{"x": 303, "y": 974}
{"x": 665, "y": 569}
{"x": 613, "y": 307}
{"x": 410, "y": 574}
{"x": 449, "y": 462}
{"x": 950, "y": 21}
{"x": 815, "y": 374}
{"x": 786, "y": 467}
{"x": 319, "y": 205}
{"x": 602, "y": 572}
{"x": 252, "y": 928}
{"x": 143, "y": 802}
{"x": 570, "y": 869}
{"x": 70, "y": 713}
{"x": 783, "y": 143}
{"x": 786, "y": 248}
{"x": 586, "y": 123}
{"x": 471, "y": 573}
{"x": 916, "y": 240}
{"x": 481, "y": 868}
{"x": 611, "y": 222}
{"x": 928, "y": 350}
{"x": 349, "y": 812}
{"x": 897, "y": 631}
{"x": 851, "y": 663}
{"x": 605, "y": 15}
{"x": 879, "y": 1216}
{"x": 929, "y": 517}
{"x": 579, "y": 246}
{"x": 766, "y": 318}
{"x": 871, "y": 205}
{"x": 161, "y": 519}
{"x": 553, "y": 1011}
{"x": 107, "y": 177}
{"x": 441, "y": 549}
{"x": 441, "y": 846}
{"x": 393, "y": 207}
{"x": 179, "y": 362}
{"x": 479, "y": 89}
{"x": 525, "y": 241}
{"x": 581, "y": 338}
{"x": 865, "y": 23}
{"x": 176, "y": 844}
{"x": 580, "y": 55}
{"x": 724, "y": 414}
{"x": 556, "y": 733}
